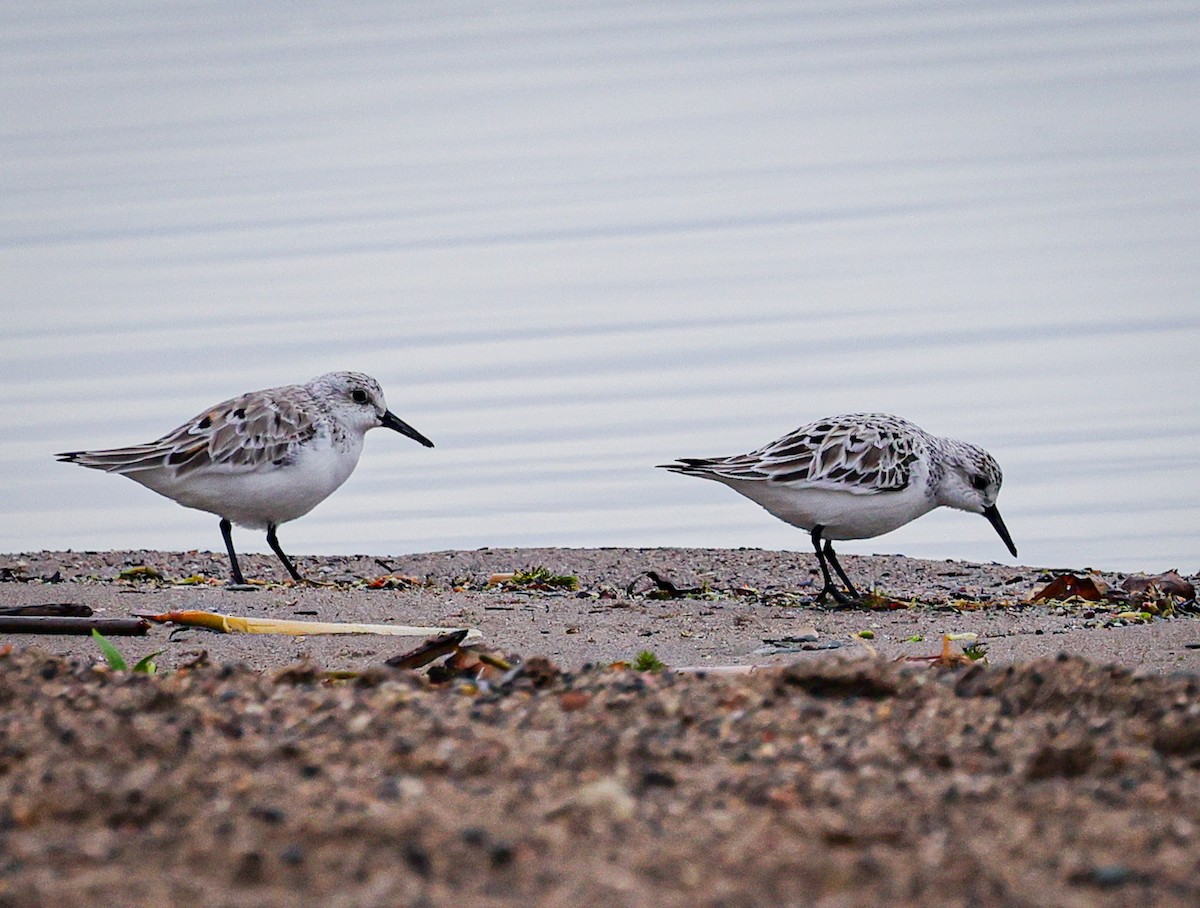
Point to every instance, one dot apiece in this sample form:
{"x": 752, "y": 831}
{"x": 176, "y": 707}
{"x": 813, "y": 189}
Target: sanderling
{"x": 261, "y": 459}
{"x": 858, "y": 476}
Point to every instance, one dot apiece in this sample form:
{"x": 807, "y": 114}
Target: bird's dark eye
{"x": 979, "y": 482}
{"x": 359, "y": 396}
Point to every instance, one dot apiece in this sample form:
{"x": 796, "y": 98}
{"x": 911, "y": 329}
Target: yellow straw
{"x": 231, "y": 624}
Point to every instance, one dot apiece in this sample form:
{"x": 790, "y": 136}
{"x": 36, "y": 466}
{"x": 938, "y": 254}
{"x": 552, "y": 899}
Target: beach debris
{"x": 878, "y": 601}
{"x": 534, "y": 578}
{"x": 48, "y": 609}
{"x": 197, "y": 580}
{"x": 475, "y": 668}
{"x": 648, "y": 661}
{"x": 664, "y": 587}
{"x": 229, "y": 624}
{"x": 873, "y": 601}
{"x": 140, "y": 572}
{"x": 18, "y": 573}
{"x": 1156, "y": 595}
{"x": 1160, "y": 594}
{"x": 54, "y": 624}
{"x": 196, "y": 658}
{"x": 432, "y": 649}
{"x": 720, "y": 669}
{"x": 671, "y": 589}
{"x": 394, "y": 582}
{"x": 1072, "y": 586}
{"x": 805, "y": 633}
{"x": 116, "y": 661}
{"x": 1165, "y": 584}
{"x": 972, "y": 652}
{"x": 801, "y": 640}
{"x": 1142, "y": 617}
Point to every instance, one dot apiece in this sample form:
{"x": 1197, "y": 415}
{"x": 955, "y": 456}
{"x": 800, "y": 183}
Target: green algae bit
{"x": 646, "y": 661}
{"x": 542, "y": 577}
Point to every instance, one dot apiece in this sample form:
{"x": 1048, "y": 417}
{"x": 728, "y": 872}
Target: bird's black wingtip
{"x": 686, "y": 465}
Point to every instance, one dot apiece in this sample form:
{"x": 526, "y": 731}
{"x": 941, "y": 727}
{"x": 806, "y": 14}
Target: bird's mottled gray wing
{"x": 244, "y": 433}
{"x": 860, "y": 453}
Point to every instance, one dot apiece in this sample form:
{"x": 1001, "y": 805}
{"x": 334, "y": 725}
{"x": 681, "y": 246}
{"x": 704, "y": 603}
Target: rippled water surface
{"x": 573, "y": 241}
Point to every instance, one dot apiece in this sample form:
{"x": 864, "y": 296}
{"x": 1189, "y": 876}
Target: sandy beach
{"x": 745, "y": 599}
{"x": 847, "y": 768}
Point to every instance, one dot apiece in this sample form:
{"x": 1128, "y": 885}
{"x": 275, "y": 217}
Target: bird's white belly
{"x": 844, "y": 515}
{"x": 263, "y": 495}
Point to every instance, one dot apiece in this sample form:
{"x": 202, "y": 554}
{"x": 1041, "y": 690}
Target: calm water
{"x": 576, "y": 240}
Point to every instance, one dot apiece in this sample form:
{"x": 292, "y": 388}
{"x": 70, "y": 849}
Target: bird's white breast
{"x": 843, "y": 514}
{"x": 259, "y": 495}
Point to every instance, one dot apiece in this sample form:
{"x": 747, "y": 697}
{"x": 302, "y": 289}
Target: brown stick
{"x": 56, "y": 609}
{"x": 29, "y": 624}
{"x": 431, "y": 649}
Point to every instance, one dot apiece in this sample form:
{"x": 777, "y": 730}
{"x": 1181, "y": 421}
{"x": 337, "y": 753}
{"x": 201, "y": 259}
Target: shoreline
{"x": 746, "y": 602}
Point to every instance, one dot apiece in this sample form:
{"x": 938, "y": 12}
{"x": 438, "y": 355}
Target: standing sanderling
{"x": 261, "y": 459}
{"x": 858, "y": 476}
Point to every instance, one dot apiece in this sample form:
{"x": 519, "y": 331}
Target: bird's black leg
{"x": 830, "y": 588}
{"x": 837, "y": 567}
{"x": 273, "y": 542}
{"x": 226, "y": 528}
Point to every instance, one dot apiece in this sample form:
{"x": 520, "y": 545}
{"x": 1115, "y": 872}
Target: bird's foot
{"x": 839, "y": 597}
{"x": 308, "y": 581}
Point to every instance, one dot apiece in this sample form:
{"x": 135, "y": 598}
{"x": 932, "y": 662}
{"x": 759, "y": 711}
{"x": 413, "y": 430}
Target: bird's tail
{"x": 694, "y": 466}
{"x": 116, "y": 460}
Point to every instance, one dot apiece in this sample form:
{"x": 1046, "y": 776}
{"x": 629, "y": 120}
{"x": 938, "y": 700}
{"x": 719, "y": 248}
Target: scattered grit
{"x": 845, "y": 778}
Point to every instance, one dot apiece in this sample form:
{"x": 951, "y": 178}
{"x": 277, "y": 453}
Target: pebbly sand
{"x": 756, "y": 596}
{"x": 1064, "y": 769}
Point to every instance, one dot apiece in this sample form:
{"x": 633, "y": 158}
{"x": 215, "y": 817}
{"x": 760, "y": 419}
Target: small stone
{"x": 1110, "y": 876}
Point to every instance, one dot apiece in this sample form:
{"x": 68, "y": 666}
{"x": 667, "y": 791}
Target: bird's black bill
{"x": 390, "y": 420}
{"x": 993, "y": 517}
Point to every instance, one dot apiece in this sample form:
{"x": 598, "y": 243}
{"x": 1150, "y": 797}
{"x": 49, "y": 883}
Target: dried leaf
{"x": 1072, "y": 586}
{"x": 1168, "y": 584}
{"x": 393, "y": 582}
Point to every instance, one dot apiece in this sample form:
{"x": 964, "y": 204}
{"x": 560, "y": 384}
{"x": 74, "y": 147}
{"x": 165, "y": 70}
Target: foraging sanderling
{"x": 261, "y": 459}
{"x": 858, "y": 476}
